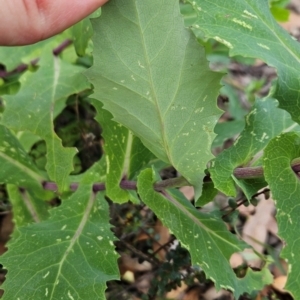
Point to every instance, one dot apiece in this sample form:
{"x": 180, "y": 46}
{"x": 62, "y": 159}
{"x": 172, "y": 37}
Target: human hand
{"x": 29, "y": 21}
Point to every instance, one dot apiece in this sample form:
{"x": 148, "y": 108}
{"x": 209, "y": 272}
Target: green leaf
{"x": 285, "y": 187}
{"x": 264, "y": 121}
{"x": 248, "y": 28}
{"x": 250, "y": 186}
{"x": 73, "y": 250}
{"x": 27, "y": 208}
{"x": 203, "y": 234}
{"x": 140, "y": 158}
{"x": 208, "y": 194}
{"x": 280, "y": 14}
{"x": 82, "y": 33}
{"x": 234, "y": 106}
{"x": 33, "y": 109}
{"x": 27, "y": 139}
{"x": 117, "y": 148}
{"x": 16, "y": 166}
{"x": 124, "y": 154}
{"x": 153, "y": 72}
{"x": 10, "y": 87}
{"x": 227, "y": 130}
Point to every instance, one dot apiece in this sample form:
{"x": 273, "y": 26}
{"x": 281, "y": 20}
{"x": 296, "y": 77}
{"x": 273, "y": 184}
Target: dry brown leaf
{"x": 188, "y": 192}
{"x": 193, "y": 294}
{"x": 256, "y": 227}
{"x": 236, "y": 260}
{"x": 164, "y": 237}
{"x": 279, "y": 283}
{"x": 246, "y": 210}
{"x": 277, "y": 271}
{"x": 128, "y": 263}
{"x": 272, "y": 226}
{"x": 293, "y": 23}
{"x": 212, "y": 294}
{"x": 177, "y": 294}
{"x": 143, "y": 283}
{"x": 7, "y": 227}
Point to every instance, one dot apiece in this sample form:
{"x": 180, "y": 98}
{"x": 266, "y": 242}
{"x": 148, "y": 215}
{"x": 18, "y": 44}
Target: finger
{"x": 29, "y": 21}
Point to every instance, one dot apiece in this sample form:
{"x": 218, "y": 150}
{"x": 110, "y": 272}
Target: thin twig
{"x": 140, "y": 254}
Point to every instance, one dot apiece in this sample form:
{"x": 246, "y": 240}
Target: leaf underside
{"x": 152, "y": 73}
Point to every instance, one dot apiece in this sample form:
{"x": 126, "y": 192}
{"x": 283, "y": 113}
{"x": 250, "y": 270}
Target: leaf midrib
{"x": 196, "y": 220}
{"x": 75, "y": 237}
{"x": 24, "y": 168}
{"x": 149, "y": 69}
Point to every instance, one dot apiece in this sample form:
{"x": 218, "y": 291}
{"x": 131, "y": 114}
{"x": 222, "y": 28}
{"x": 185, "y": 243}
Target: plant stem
{"x": 59, "y": 49}
{"x": 23, "y": 67}
{"x": 239, "y": 173}
{"x": 247, "y": 173}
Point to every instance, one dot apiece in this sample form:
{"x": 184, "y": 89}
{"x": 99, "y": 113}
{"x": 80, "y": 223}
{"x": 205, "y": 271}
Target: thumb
{"x": 29, "y": 21}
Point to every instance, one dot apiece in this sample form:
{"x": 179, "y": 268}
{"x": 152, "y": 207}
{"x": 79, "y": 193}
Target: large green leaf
{"x": 69, "y": 256}
{"x": 248, "y": 28}
{"x": 27, "y": 208}
{"x": 264, "y": 121}
{"x": 285, "y": 187}
{"x": 33, "y": 109}
{"x": 154, "y": 78}
{"x": 124, "y": 154}
{"x": 16, "y": 166}
{"x": 204, "y": 235}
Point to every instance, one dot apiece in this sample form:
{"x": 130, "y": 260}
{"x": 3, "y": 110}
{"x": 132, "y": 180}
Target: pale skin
{"x": 26, "y": 22}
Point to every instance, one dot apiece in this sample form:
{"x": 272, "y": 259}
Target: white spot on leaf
{"x": 263, "y": 46}
{"x": 242, "y": 23}
{"x": 70, "y": 296}
{"x": 141, "y": 65}
{"x": 226, "y": 43}
{"x": 246, "y": 12}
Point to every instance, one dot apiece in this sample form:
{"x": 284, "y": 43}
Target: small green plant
{"x": 151, "y": 90}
